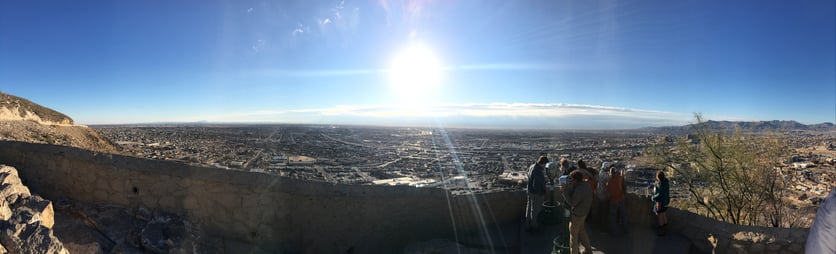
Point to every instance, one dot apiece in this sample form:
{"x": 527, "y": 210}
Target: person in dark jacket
{"x": 536, "y": 191}
{"x": 661, "y": 198}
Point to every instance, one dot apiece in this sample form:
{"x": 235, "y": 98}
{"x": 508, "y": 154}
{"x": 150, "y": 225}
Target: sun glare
{"x": 415, "y": 74}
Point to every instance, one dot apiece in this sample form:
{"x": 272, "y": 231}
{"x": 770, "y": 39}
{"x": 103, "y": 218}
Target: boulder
{"x": 152, "y": 238}
{"x": 143, "y": 214}
{"x": 5, "y": 210}
{"x": 168, "y": 234}
{"x": 28, "y": 238}
{"x": 40, "y": 207}
{"x": 11, "y": 188}
{"x": 27, "y": 220}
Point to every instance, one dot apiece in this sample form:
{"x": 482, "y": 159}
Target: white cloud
{"x": 279, "y": 73}
{"x": 300, "y": 29}
{"x": 510, "y": 67}
{"x": 491, "y": 110}
{"x": 338, "y": 20}
{"x": 384, "y": 4}
{"x": 556, "y": 115}
{"x": 259, "y": 45}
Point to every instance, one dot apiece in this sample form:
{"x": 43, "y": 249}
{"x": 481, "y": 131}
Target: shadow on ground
{"x": 639, "y": 239}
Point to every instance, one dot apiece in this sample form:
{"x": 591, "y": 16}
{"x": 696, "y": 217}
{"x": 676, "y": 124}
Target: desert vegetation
{"x": 733, "y": 177}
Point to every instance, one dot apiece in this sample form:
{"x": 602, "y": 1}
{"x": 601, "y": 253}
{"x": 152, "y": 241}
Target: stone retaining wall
{"x": 712, "y": 236}
{"x": 249, "y": 212}
{"x": 246, "y": 212}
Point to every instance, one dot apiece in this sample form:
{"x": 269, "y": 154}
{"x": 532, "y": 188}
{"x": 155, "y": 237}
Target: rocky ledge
{"x": 26, "y": 220}
{"x": 96, "y": 228}
{"x": 28, "y": 225}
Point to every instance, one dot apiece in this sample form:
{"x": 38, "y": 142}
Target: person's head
{"x": 660, "y": 175}
{"x": 576, "y": 176}
{"x": 605, "y": 166}
{"x": 613, "y": 170}
{"x": 542, "y": 160}
{"x": 581, "y": 164}
{"x": 564, "y": 163}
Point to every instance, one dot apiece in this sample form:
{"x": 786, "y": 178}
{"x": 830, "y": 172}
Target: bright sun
{"x": 415, "y": 74}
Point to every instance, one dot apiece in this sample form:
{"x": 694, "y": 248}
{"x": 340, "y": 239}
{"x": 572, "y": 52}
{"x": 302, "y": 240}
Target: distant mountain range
{"x": 757, "y": 126}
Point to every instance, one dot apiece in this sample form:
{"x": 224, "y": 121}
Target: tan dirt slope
{"x": 23, "y": 120}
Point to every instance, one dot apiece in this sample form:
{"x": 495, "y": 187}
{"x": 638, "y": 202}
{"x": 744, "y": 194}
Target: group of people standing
{"x": 590, "y": 195}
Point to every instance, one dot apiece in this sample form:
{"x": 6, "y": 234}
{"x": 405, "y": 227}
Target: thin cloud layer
{"x": 487, "y": 115}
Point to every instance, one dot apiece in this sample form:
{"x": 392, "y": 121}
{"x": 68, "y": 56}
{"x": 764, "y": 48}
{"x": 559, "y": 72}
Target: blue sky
{"x": 532, "y": 64}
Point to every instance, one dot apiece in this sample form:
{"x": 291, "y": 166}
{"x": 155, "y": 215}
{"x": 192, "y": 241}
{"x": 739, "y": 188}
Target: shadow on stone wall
{"x": 712, "y": 236}
{"x": 245, "y": 212}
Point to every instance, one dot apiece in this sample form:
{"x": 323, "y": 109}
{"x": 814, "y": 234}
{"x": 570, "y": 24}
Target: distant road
{"x": 466, "y": 150}
{"x": 325, "y": 174}
{"x": 257, "y": 155}
{"x": 344, "y": 142}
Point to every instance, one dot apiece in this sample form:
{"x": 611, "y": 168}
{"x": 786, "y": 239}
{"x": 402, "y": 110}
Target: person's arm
{"x": 623, "y": 183}
{"x": 530, "y": 183}
{"x": 566, "y": 195}
{"x": 540, "y": 184}
{"x": 576, "y": 198}
{"x": 606, "y": 181}
{"x": 655, "y": 197}
{"x": 533, "y": 178}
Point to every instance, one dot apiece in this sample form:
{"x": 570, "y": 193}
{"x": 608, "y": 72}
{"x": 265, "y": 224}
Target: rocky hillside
{"x": 756, "y": 126}
{"x": 774, "y": 125}
{"x": 23, "y": 120}
{"x": 16, "y": 108}
{"x": 26, "y": 220}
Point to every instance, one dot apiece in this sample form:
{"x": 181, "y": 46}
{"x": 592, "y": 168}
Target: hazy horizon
{"x": 448, "y": 125}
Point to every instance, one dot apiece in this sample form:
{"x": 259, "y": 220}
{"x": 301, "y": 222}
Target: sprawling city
{"x": 417, "y": 126}
{"x": 460, "y": 160}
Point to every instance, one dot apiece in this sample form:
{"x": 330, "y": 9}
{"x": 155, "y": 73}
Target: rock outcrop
{"x": 26, "y": 220}
{"x": 16, "y": 108}
{"x": 23, "y": 120}
{"x": 98, "y": 228}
